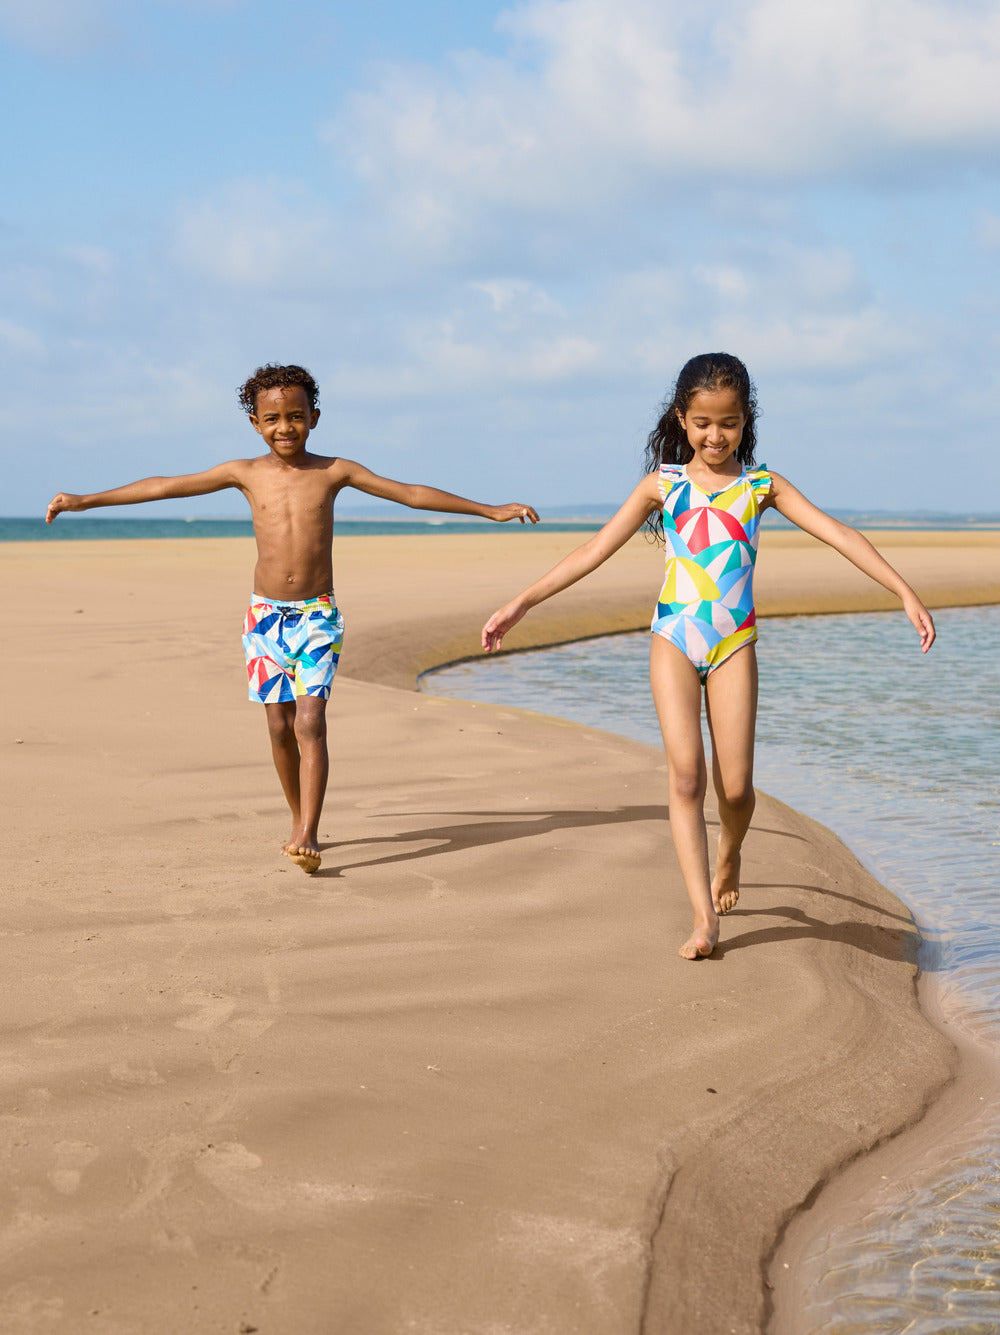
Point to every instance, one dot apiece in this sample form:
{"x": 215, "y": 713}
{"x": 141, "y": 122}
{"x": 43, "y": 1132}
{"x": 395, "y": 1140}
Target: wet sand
{"x": 457, "y": 1083}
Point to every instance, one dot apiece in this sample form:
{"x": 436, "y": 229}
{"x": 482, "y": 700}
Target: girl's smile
{"x": 714, "y": 424}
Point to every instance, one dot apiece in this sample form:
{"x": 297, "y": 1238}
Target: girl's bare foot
{"x": 726, "y": 884}
{"x": 700, "y": 943}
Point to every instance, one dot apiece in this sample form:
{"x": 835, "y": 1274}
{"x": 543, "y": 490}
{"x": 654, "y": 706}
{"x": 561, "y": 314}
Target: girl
{"x": 704, "y": 495}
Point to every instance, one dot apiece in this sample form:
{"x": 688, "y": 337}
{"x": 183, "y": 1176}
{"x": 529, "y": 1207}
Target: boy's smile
{"x": 284, "y": 419}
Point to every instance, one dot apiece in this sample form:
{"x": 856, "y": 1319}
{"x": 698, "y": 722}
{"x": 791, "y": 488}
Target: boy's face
{"x": 284, "y": 419}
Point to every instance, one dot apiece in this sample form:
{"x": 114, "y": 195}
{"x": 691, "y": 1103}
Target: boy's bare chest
{"x": 283, "y": 499}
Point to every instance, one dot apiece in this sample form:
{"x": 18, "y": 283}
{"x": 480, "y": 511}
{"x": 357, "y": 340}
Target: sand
{"x": 458, "y": 1082}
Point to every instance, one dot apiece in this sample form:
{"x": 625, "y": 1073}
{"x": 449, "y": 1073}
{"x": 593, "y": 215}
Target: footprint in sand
{"x": 227, "y": 1167}
{"x": 126, "y": 1074}
{"x": 242, "y": 1176}
{"x": 164, "y": 1160}
{"x": 438, "y": 888}
{"x": 72, "y": 1157}
{"x": 28, "y": 1306}
{"x": 214, "y": 1008}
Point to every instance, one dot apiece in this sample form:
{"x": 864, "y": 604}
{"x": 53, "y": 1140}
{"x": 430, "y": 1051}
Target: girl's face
{"x": 714, "y": 424}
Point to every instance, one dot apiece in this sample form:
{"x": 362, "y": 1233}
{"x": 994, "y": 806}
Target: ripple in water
{"x": 900, "y": 755}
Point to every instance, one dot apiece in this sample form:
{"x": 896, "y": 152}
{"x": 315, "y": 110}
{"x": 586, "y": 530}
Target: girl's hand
{"x": 502, "y": 513}
{"x": 922, "y": 620}
{"x": 64, "y": 501}
{"x": 500, "y": 623}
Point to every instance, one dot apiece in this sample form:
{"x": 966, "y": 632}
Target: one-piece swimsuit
{"x": 706, "y": 605}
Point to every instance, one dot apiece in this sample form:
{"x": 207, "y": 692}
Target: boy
{"x": 293, "y": 631}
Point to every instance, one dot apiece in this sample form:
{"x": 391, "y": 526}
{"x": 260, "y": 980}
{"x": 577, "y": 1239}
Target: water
{"x": 88, "y": 527}
{"x": 900, "y": 755}
{"x": 562, "y": 519}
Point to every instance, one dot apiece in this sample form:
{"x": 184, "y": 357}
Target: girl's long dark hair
{"x": 668, "y": 443}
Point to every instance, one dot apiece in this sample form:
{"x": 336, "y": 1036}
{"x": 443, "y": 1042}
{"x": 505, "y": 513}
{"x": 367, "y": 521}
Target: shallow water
{"x": 900, "y": 755}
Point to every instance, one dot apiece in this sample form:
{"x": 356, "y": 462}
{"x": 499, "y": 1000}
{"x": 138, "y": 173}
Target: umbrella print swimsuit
{"x": 706, "y": 605}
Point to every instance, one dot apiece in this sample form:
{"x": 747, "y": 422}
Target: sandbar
{"x": 457, "y": 1082}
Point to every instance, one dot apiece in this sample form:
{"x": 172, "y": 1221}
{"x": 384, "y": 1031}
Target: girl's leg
{"x": 731, "y": 705}
{"x": 677, "y": 696}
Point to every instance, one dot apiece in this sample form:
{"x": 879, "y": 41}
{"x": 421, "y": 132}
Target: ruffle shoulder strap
{"x": 760, "y": 479}
{"x": 670, "y": 475}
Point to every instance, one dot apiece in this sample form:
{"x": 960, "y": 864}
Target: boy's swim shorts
{"x": 292, "y": 649}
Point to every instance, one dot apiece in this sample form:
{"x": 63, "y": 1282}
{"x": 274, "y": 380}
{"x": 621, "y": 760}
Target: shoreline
{"x": 618, "y": 1077}
{"x": 950, "y": 1124}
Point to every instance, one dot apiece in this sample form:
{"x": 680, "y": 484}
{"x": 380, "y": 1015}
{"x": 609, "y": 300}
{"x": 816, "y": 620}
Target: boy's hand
{"x": 64, "y": 501}
{"x": 500, "y": 623}
{"x": 501, "y": 513}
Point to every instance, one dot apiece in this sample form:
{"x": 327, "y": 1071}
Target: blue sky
{"x": 495, "y": 232}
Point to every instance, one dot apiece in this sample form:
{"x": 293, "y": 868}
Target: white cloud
{"x": 18, "y": 338}
{"x": 799, "y": 310}
{"x": 726, "y": 281}
{"x": 516, "y": 295}
{"x": 68, "y": 29}
{"x": 291, "y": 267}
{"x": 868, "y": 76}
{"x": 468, "y": 353}
{"x": 600, "y": 103}
{"x": 988, "y": 230}
{"x": 257, "y": 233}
{"x": 823, "y": 343}
{"x": 58, "y": 27}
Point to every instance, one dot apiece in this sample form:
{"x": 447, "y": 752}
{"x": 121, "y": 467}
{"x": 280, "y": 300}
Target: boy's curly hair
{"x": 273, "y": 376}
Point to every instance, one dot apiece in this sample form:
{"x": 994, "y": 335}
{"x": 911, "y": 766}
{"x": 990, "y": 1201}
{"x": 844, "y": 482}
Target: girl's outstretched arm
{"x": 587, "y": 557}
{"x": 790, "y": 502}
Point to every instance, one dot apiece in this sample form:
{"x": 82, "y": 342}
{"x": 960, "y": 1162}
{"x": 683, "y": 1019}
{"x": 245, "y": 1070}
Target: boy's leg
{"x": 313, "y": 771}
{"x": 677, "y": 696}
{"x": 731, "y": 704}
{"x": 285, "y": 750}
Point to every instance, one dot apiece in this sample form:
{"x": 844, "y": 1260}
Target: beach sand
{"x": 458, "y": 1082}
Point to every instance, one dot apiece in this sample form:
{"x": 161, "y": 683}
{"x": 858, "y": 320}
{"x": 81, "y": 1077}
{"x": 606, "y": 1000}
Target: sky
{"x": 495, "y": 232}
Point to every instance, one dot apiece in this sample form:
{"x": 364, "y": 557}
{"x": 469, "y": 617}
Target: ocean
{"x": 89, "y": 526}
{"x": 899, "y": 754}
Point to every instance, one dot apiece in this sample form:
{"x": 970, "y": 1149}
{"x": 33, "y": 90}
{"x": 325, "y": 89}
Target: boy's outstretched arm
{"x": 430, "y": 498}
{"x": 790, "y": 502}
{"x": 149, "y": 489}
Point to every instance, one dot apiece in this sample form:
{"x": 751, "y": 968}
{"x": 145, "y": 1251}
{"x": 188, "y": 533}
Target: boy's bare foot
{"x": 304, "y": 855}
{"x": 700, "y": 943}
{"x": 726, "y": 885}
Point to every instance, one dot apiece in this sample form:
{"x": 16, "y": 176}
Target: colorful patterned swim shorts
{"x": 292, "y": 649}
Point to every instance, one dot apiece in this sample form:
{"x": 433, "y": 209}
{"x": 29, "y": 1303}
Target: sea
{"x": 88, "y": 526}
{"x": 897, "y": 752}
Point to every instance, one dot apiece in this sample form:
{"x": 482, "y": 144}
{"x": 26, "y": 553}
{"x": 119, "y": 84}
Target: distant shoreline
{"x": 91, "y": 528}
